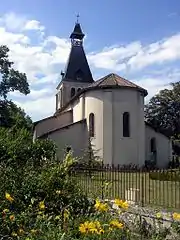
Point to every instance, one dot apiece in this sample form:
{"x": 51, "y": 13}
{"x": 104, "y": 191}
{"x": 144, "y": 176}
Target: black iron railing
{"x": 143, "y": 186}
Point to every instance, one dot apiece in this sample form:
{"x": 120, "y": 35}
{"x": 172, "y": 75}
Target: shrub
{"x": 17, "y": 148}
{"x": 165, "y": 175}
{"x": 37, "y": 193}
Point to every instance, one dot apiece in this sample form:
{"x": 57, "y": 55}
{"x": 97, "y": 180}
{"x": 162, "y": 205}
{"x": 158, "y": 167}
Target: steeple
{"x": 77, "y": 32}
{"x": 77, "y": 68}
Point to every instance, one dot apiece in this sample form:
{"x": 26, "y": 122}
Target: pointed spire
{"x": 77, "y": 68}
{"x": 77, "y": 32}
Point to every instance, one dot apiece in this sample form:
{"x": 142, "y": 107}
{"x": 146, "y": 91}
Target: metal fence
{"x": 145, "y": 187}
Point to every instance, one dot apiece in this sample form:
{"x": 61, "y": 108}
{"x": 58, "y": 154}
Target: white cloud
{"x": 153, "y": 85}
{"x": 136, "y": 56}
{"x": 10, "y": 38}
{"x": 157, "y": 53}
{"x": 39, "y": 108}
{"x": 35, "y": 94}
{"x": 34, "y": 25}
{"x": 114, "y": 58}
{"x": 13, "y": 21}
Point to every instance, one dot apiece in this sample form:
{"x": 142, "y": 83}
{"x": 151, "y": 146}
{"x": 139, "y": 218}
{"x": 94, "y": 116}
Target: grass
{"x": 164, "y": 194}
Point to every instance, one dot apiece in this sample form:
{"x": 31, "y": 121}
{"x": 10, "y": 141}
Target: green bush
{"x": 49, "y": 185}
{"x": 17, "y": 148}
{"x": 168, "y": 175}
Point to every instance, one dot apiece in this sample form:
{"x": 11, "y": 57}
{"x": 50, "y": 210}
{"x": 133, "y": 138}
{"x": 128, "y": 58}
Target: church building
{"x": 108, "y": 111}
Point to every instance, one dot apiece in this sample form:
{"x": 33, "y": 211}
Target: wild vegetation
{"x": 45, "y": 202}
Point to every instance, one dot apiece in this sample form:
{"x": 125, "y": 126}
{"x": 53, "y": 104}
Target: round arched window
{"x": 73, "y": 91}
{"x": 91, "y": 124}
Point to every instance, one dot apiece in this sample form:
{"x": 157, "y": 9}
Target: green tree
{"x": 14, "y": 116}
{"x": 11, "y": 80}
{"x": 163, "y": 110}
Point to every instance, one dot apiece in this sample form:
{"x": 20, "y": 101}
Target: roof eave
{"x": 144, "y": 92}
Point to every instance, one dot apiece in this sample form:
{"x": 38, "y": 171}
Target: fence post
{"x": 142, "y": 187}
{"x": 102, "y": 182}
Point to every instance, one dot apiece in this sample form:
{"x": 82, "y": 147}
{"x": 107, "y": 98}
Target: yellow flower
{"x": 66, "y": 214}
{"x": 8, "y": 197}
{"x": 100, "y": 231}
{"x": 86, "y": 227}
{"x": 40, "y": 213}
{"x": 102, "y": 207}
{"x": 42, "y": 205}
{"x": 176, "y": 216}
{"x": 93, "y": 230}
{"x": 12, "y": 217}
{"x": 57, "y": 217}
{"x": 6, "y": 210}
{"x": 159, "y": 215}
{"x": 13, "y": 234}
{"x": 116, "y": 224}
{"x": 21, "y": 231}
{"x": 125, "y": 205}
{"x": 34, "y": 231}
{"x": 121, "y": 204}
{"x": 91, "y": 227}
{"x": 98, "y": 227}
{"x": 58, "y": 192}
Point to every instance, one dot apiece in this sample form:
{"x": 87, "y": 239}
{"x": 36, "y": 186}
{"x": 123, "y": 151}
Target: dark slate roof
{"x": 77, "y": 32}
{"x": 77, "y": 62}
{"x": 113, "y": 79}
{"x": 77, "y": 67}
{"x": 110, "y": 81}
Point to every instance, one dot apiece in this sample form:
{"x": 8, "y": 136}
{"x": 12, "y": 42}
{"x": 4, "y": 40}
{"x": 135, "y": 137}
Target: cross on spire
{"x": 77, "y": 16}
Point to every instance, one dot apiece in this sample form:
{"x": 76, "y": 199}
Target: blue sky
{"x": 137, "y": 39}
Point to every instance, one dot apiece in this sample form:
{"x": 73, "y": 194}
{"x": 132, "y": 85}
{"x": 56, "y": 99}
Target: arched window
{"x": 126, "y": 124}
{"x": 91, "y": 124}
{"x": 73, "y": 91}
{"x": 153, "y": 145}
{"x": 79, "y": 89}
{"x": 153, "y": 150}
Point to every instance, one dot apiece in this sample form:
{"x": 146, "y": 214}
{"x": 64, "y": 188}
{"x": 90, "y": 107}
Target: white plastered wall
{"x": 52, "y": 123}
{"x": 163, "y": 146}
{"x": 66, "y": 87}
{"x": 108, "y": 107}
{"x": 74, "y": 136}
{"x": 128, "y": 150}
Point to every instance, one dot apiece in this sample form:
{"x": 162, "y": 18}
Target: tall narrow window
{"x": 126, "y": 124}
{"x": 57, "y": 101}
{"x": 61, "y": 97}
{"x": 73, "y": 91}
{"x": 79, "y": 89}
{"x": 91, "y": 124}
{"x": 153, "y": 150}
{"x": 153, "y": 145}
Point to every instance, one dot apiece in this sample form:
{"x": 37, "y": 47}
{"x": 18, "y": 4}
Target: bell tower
{"x": 77, "y": 74}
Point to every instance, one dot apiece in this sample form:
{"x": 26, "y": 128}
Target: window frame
{"x": 91, "y": 125}
{"x": 126, "y": 124}
{"x": 74, "y": 93}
